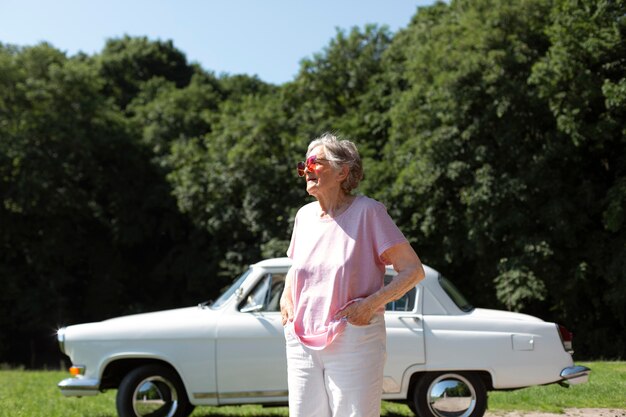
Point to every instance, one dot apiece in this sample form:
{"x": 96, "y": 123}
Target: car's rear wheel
{"x": 152, "y": 391}
{"x": 443, "y": 394}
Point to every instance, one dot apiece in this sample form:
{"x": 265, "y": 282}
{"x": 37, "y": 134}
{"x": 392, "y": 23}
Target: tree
{"x": 48, "y": 187}
{"x": 89, "y": 226}
{"x": 337, "y": 90}
{"x": 464, "y": 136}
{"x": 164, "y": 114}
{"x": 582, "y": 78}
{"x": 127, "y": 62}
{"x": 506, "y": 148}
{"x": 238, "y": 182}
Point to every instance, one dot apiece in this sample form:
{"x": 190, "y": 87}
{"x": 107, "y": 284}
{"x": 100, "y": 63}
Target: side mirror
{"x": 239, "y": 294}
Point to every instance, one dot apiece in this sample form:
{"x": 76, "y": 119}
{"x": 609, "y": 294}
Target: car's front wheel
{"x": 152, "y": 390}
{"x": 450, "y": 394}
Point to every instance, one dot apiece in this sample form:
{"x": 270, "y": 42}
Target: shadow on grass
{"x": 201, "y": 412}
{"x": 262, "y": 412}
{"x": 217, "y": 414}
{"x": 265, "y": 414}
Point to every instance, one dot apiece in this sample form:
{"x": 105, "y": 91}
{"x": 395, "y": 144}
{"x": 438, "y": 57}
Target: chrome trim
{"x": 155, "y": 395}
{"x": 451, "y": 395}
{"x": 61, "y": 339}
{"x": 576, "y": 374}
{"x": 203, "y": 395}
{"x": 79, "y": 384}
{"x": 244, "y": 394}
{"x": 78, "y": 387}
{"x": 248, "y": 394}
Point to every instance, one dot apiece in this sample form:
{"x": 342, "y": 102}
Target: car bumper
{"x": 573, "y": 375}
{"x": 79, "y": 387}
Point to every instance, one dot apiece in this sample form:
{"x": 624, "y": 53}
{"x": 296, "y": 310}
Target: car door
{"x": 250, "y": 347}
{"x": 405, "y": 337}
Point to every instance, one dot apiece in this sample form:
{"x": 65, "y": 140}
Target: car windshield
{"x": 456, "y": 295}
{"x": 231, "y": 290}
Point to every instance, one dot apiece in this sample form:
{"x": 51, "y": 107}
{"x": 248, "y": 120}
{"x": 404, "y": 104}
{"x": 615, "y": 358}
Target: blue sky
{"x": 267, "y": 38}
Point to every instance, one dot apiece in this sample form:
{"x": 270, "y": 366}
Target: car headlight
{"x": 61, "y": 338}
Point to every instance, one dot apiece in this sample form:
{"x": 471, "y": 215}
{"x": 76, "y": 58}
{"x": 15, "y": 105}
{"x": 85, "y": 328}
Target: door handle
{"x": 416, "y": 319}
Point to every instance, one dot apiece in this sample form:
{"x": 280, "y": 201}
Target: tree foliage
{"x": 126, "y": 63}
{"x": 494, "y": 133}
{"x": 88, "y": 221}
{"x": 582, "y": 78}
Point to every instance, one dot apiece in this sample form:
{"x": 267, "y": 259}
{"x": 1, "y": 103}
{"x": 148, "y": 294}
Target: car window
{"x": 406, "y": 303}
{"x": 265, "y": 296}
{"x": 231, "y": 290}
{"x": 456, "y": 295}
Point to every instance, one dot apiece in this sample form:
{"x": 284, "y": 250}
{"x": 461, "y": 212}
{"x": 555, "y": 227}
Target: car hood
{"x": 182, "y": 322}
{"x": 485, "y": 313}
{"x": 164, "y": 316}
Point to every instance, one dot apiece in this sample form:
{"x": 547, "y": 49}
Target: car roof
{"x": 435, "y": 299}
{"x": 286, "y": 263}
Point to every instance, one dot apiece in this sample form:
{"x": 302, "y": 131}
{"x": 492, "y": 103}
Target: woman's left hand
{"x": 358, "y": 313}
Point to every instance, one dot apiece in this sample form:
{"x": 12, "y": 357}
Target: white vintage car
{"x": 443, "y": 355}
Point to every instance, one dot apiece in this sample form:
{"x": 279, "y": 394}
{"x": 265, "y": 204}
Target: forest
{"x": 132, "y": 180}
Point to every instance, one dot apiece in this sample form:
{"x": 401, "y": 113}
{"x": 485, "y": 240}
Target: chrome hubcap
{"x": 155, "y": 396}
{"x": 451, "y": 395}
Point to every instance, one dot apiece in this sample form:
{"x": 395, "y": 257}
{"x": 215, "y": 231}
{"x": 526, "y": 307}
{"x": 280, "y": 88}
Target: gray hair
{"x": 338, "y": 153}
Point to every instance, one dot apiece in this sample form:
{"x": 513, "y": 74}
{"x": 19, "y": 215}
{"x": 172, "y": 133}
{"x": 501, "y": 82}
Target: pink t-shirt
{"x": 336, "y": 261}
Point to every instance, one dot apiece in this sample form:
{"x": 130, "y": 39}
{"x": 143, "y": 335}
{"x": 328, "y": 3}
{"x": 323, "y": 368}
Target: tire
{"x": 443, "y": 394}
{"x": 152, "y": 391}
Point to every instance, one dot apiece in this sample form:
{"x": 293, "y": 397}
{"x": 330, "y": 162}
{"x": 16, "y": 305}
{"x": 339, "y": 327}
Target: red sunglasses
{"x": 309, "y": 165}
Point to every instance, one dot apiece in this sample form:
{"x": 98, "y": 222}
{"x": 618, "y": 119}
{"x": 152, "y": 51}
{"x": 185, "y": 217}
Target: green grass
{"x": 35, "y": 394}
{"x": 606, "y": 389}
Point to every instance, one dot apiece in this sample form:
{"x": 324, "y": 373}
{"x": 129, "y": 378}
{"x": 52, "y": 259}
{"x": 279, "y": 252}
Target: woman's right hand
{"x": 286, "y": 308}
{"x": 286, "y": 303}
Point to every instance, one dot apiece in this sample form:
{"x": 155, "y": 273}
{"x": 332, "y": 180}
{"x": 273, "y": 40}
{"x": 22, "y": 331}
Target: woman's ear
{"x": 345, "y": 171}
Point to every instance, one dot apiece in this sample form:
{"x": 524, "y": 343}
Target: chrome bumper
{"x": 573, "y": 375}
{"x": 79, "y": 387}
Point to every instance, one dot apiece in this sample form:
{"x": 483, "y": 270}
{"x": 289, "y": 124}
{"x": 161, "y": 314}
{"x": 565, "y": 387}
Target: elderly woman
{"x": 334, "y": 299}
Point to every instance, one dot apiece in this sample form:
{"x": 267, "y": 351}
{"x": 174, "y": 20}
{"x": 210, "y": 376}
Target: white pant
{"x": 344, "y": 379}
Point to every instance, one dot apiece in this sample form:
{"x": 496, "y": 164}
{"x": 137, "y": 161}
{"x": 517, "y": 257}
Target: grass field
{"x": 35, "y": 394}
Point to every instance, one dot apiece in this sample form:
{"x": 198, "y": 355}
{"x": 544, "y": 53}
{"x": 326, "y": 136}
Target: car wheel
{"x": 152, "y": 390}
{"x": 450, "y": 394}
